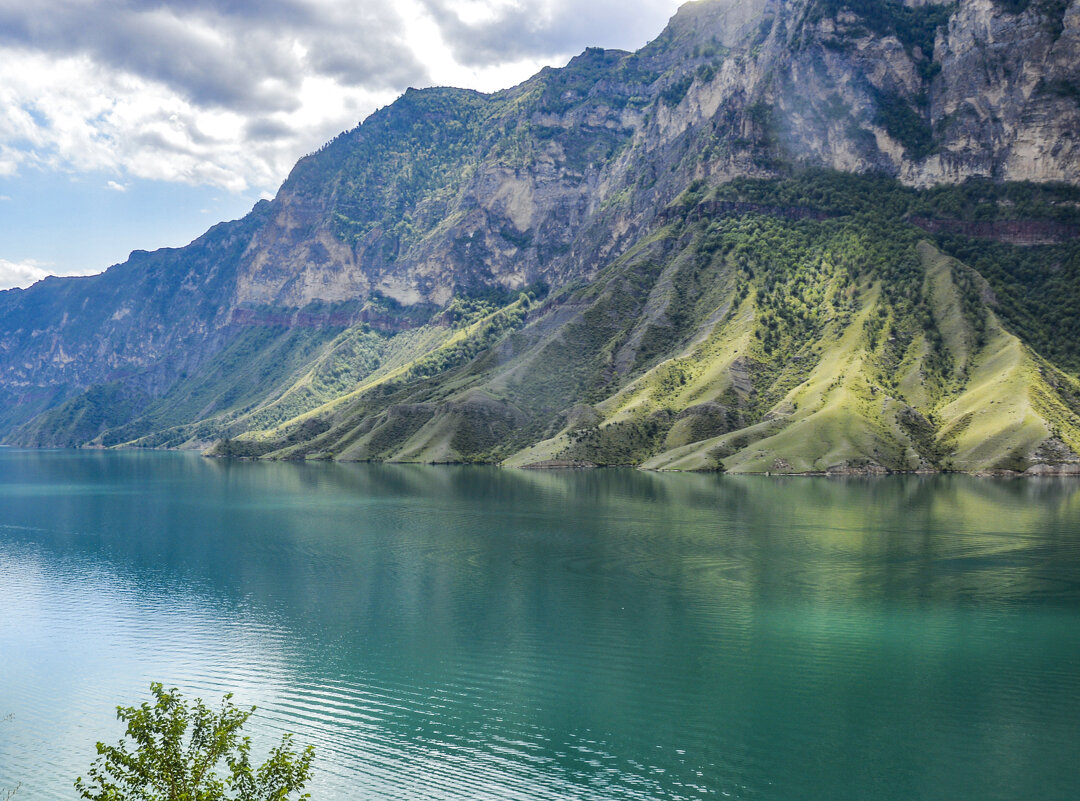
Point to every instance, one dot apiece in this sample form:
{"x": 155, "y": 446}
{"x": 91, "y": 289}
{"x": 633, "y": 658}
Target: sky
{"x": 135, "y": 124}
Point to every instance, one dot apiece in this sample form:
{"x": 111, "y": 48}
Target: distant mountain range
{"x": 787, "y": 237}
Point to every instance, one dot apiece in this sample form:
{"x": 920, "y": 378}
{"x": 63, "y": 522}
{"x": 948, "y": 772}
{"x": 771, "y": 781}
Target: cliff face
{"x": 932, "y": 93}
{"x": 1007, "y": 97}
{"x": 544, "y": 181}
{"x": 449, "y": 194}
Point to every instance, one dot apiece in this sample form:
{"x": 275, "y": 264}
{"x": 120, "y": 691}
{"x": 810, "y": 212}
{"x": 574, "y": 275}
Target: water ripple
{"x": 482, "y": 634}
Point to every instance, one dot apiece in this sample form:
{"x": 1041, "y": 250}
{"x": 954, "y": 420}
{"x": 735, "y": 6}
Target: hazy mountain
{"x": 783, "y": 236}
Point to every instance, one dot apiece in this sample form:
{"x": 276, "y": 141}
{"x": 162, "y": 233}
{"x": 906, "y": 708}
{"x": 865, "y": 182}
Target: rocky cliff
{"x": 447, "y": 189}
{"x": 396, "y": 240}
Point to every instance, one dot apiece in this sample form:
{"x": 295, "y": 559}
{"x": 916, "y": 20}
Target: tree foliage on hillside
{"x": 1036, "y": 289}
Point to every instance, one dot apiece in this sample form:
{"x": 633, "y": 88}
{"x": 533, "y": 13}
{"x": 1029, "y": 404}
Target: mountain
{"x": 803, "y": 236}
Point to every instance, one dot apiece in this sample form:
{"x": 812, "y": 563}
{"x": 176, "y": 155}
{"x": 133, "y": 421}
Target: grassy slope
{"x": 199, "y": 408}
{"x": 686, "y": 355}
{"x": 348, "y": 425}
{"x": 263, "y": 377}
{"x": 999, "y": 411}
{"x": 831, "y": 423}
{"x": 81, "y": 419}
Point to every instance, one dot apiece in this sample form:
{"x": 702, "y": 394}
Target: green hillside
{"x": 747, "y": 341}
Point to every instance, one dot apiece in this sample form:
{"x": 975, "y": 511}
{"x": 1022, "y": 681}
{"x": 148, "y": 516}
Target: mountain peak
{"x": 707, "y": 253}
{"x": 729, "y": 22}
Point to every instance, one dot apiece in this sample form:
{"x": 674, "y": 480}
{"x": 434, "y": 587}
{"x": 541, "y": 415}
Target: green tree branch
{"x": 172, "y": 751}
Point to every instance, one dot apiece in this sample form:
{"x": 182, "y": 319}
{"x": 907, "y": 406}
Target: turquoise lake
{"x": 467, "y": 632}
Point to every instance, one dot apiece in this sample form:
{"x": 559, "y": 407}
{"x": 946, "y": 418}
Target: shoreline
{"x": 1064, "y": 470}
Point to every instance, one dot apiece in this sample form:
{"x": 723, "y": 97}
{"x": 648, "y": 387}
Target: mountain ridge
{"x": 451, "y": 229}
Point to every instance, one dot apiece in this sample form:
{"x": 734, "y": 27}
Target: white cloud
{"x": 429, "y": 40}
{"x": 232, "y": 94}
{"x": 116, "y": 187}
{"x": 70, "y": 114}
{"x": 20, "y": 274}
{"x": 492, "y": 32}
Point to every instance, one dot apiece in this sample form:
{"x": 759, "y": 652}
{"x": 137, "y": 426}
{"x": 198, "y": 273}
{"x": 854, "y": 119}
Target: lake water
{"x": 454, "y": 632}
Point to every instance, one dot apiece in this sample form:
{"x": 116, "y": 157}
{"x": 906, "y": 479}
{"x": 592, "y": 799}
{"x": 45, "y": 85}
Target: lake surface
{"x": 453, "y": 632}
